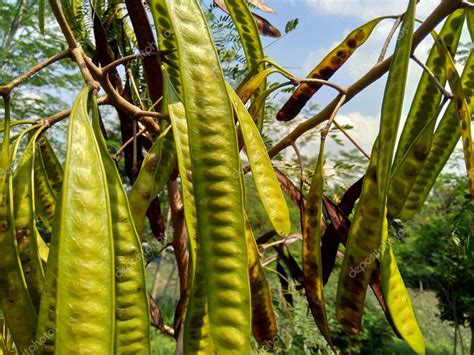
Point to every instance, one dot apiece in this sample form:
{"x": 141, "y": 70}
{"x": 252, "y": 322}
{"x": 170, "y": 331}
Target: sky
{"x": 322, "y": 25}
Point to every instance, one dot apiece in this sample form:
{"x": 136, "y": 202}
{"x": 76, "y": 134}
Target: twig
{"x": 389, "y": 39}
{"x": 76, "y": 51}
{"x": 351, "y": 139}
{"x": 467, "y": 5}
{"x": 441, "y": 11}
{"x": 51, "y": 120}
{"x": 6, "y": 89}
{"x": 129, "y": 58}
{"x": 285, "y": 241}
{"x": 119, "y": 102}
{"x": 130, "y": 140}
{"x": 298, "y": 81}
{"x": 326, "y": 129}
{"x": 432, "y": 77}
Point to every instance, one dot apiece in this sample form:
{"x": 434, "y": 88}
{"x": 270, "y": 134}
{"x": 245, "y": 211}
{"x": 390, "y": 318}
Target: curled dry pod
{"x": 264, "y": 324}
{"x": 218, "y": 191}
{"x": 263, "y": 175}
{"x": 25, "y": 224}
{"x": 132, "y": 315}
{"x": 325, "y": 69}
{"x": 413, "y": 147}
{"x": 311, "y": 253}
{"x": 18, "y": 310}
{"x": 79, "y": 304}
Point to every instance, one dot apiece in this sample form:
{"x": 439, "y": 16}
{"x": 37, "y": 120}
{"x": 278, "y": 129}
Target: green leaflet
{"x": 393, "y": 100}
{"x": 446, "y": 136}
{"x": 263, "y": 174}
{"x": 311, "y": 249}
{"x": 154, "y": 173}
{"x": 41, "y": 11}
{"x": 413, "y": 146}
{"x": 132, "y": 316}
{"x": 80, "y": 300}
{"x": 218, "y": 192}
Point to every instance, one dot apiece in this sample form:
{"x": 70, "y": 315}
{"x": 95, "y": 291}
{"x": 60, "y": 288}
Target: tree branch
{"x": 441, "y": 12}
{"x": 7, "y": 88}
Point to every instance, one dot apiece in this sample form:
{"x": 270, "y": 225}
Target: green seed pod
{"x": 446, "y": 136}
{"x": 132, "y": 315}
{"x": 80, "y": 302}
{"x": 413, "y": 146}
{"x": 18, "y": 310}
{"x": 263, "y": 175}
{"x": 218, "y": 191}
{"x": 311, "y": 253}
{"x": 25, "y": 226}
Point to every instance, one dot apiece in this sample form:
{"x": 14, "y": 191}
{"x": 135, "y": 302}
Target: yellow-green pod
{"x": 82, "y": 248}
{"x": 446, "y": 137}
{"x": 45, "y": 196}
{"x": 263, "y": 174}
{"x": 145, "y": 187}
{"x": 397, "y": 298}
{"x": 218, "y": 191}
{"x": 415, "y": 140}
{"x": 196, "y": 325}
{"x": 326, "y": 68}
{"x": 132, "y": 315}
{"x": 18, "y": 310}
{"x": 393, "y": 101}
{"x": 362, "y": 245}
{"x": 50, "y": 161}
{"x": 311, "y": 249}
{"x": 25, "y": 224}
{"x": 264, "y": 324}
{"x": 196, "y": 322}
{"x": 462, "y": 109}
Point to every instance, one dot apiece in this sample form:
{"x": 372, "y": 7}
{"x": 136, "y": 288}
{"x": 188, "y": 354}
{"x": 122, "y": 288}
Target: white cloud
{"x": 368, "y": 9}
